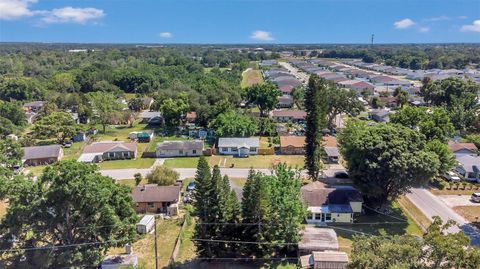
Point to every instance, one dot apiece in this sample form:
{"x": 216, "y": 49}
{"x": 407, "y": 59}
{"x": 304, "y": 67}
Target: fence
{"x": 266, "y": 151}
{"x": 178, "y": 242}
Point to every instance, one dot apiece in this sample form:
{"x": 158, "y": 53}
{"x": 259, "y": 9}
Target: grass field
{"x": 471, "y": 213}
{"x": 120, "y": 164}
{"x": 167, "y": 232}
{"x": 187, "y": 247}
{"x": 412, "y": 209}
{"x": 251, "y": 77}
{"x": 158, "y": 139}
{"x": 258, "y": 161}
{"x": 373, "y": 223}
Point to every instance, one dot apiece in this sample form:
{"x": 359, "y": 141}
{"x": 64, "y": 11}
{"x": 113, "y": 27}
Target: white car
{"x": 452, "y": 176}
{"x": 475, "y": 197}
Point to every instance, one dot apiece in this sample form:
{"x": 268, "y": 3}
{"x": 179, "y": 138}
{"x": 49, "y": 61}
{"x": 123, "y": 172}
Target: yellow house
{"x": 331, "y": 204}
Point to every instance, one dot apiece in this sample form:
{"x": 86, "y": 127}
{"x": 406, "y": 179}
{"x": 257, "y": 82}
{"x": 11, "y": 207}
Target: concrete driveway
{"x": 457, "y": 200}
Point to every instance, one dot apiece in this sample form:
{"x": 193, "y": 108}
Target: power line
{"x": 59, "y": 246}
{"x": 243, "y": 242}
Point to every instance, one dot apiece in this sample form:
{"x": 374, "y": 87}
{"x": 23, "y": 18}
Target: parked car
{"x": 475, "y": 197}
{"x": 341, "y": 174}
{"x": 191, "y": 186}
{"x": 452, "y": 176}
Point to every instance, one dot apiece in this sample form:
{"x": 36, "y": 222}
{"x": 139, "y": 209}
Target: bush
{"x": 163, "y": 176}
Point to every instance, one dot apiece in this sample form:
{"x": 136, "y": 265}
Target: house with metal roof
{"x": 180, "y": 148}
{"x": 469, "y": 167}
{"x": 331, "y": 204}
{"x": 325, "y": 260}
{"x": 238, "y": 146}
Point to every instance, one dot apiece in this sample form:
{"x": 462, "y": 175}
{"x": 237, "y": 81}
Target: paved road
{"x": 296, "y": 72}
{"x": 432, "y": 205}
{"x": 119, "y": 174}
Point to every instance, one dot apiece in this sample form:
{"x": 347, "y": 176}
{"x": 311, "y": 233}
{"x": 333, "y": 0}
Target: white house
{"x": 180, "y": 148}
{"x": 238, "y": 146}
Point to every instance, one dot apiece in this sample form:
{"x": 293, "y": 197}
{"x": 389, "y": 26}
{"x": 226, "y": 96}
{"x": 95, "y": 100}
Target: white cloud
{"x": 474, "y": 27}
{"x": 404, "y": 24}
{"x": 14, "y": 9}
{"x": 262, "y": 36}
{"x": 166, "y": 35}
{"x": 424, "y": 29}
{"x": 73, "y": 15}
{"x": 439, "y": 18}
{"x": 463, "y": 17}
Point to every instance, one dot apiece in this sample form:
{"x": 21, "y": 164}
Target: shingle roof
{"x": 456, "y": 146}
{"x": 470, "y": 163}
{"x": 329, "y": 141}
{"x": 293, "y": 141}
{"x": 296, "y": 114}
{"x": 226, "y": 142}
{"x": 39, "y": 152}
{"x": 317, "y": 194}
{"x": 181, "y": 145}
{"x": 100, "y": 147}
{"x": 330, "y": 256}
{"x": 153, "y": 193}
{"x": 332, "y": 151}
{"x": 313, "y": 238}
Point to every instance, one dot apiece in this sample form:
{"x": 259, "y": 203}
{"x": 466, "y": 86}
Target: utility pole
{"x": 155, "y": 229}
{"x": 372, "y": 39}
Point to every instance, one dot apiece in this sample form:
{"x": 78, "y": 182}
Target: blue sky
{"x": 240, "y": 21}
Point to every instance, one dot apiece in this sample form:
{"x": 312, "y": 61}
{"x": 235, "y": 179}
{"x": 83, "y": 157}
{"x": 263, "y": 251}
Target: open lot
{"x": 258, "y": 161}
{"x": 470, "y": 213}
{"x": 372, "y": 223}
{"x": 167, "y": 232}
{"x": 251, "y": 77}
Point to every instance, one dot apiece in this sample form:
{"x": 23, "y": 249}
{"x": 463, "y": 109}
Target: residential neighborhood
{"x": 201, "y": 148}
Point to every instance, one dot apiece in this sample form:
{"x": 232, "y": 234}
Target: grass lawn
{"x": 251, "y": 77}
{"x": 131, "y": 182}
{"x": 120, "y": 132}
{"x": 187, "y": 250}
{"x": 257, "y": 161}
{"x": 182, "y": 162}
{"x": 73, "y": 152}
{"x": 410, "y": 208}
{"x": 372, "y": 223}
{"x": 35, "y": 170}
{"x": 471, "y": 213}
{"x": 452, "y": 192}
{"x": 121, "y": 164}
{"x": 167, "y": 232}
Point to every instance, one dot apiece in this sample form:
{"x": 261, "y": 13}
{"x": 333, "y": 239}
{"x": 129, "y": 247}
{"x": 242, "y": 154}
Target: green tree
{"x": 459, "y": 96}
{"x": 135, "y": 104}
{"x": 203, "y": 203}
{"x": 163, "y": 176}
{"x": 402, "y": 96}
{"x": 70, "y": 204}
{"x": 7, "y": 127}
{"x": 173, "y": 110}
{"x": 264, "y": 96}
{"x": 10, "y": 156}
{"x": 232, "y": 123}
{"x": 103, "y": 104}
{"x": 445, "y": 156}
{"x": 14, "y": 112}
{"x": 21, "y": 89}
{"x": 434, "y": 123}
{"x": 298, "y": 94}
{"x": 341, "y": 101}
{"x": 56, "y": 125}
{"x": 386, "y": 160}
{"x": 138, "y": 178}
{"x": 316, "y": 107}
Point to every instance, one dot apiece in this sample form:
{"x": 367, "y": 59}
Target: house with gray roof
{"x": 238, "y": 146}
{"x": 108, "y": 150}
{"x": 181, "y": 148}
{"x": 41, "y": 155}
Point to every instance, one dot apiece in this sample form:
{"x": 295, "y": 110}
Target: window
{"x": 309, "y": 215}
{"x": 151, "y": 205}
{"x": 194, "y": 151}
{"x": 253, "y": 149}
{"x": 234, "y": 149}
{"x": 328, "y": 217}
{"x": 225, "y": 149}
{"x": 318, "y": 216}
{"x": 180, "y": 151}
{"x": 126, "y": 154}
{"x": 111, "y": 154}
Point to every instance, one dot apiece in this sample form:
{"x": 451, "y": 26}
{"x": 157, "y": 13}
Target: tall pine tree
{"x": 202, "y": 198}
{"x": 316, "y": 108}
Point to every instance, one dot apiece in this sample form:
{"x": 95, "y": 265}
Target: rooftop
{"x": 153, "y": 193}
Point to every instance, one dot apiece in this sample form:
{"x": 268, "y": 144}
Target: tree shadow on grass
{"x": 373, "y": 223}
{"x": 232, "y": 264}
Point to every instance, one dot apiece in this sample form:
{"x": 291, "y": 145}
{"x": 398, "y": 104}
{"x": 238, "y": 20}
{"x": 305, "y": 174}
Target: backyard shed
{"x": 146, "y": 224}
